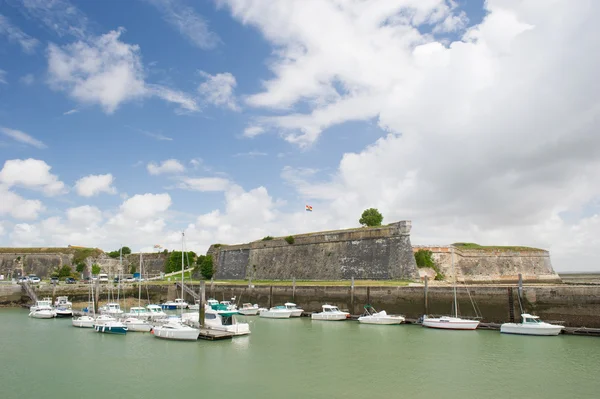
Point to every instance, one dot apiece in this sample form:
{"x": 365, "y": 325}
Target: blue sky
{"x": 126, "y": 122}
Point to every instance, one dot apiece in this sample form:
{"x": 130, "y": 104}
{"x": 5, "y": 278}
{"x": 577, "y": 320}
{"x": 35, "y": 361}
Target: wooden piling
{"x": 352, "y": 295}
{"x": 294, "y": 289}
{"x": 270, "y": 297}
{"x": 96, "y": 297}
{"x": 202, "y": 299}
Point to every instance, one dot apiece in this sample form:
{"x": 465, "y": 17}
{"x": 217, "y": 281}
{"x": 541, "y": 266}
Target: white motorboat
{"x": 139, "y": 312}
{"x": 63, "y": 307}
{"x": 195, "y": 306}
{"x": 531, "y": 325}
{"x": 83, "y": 322}
{"x": 330, "y": 313}
{"x": 371, "y": 316}
{"x": 452, "y": 322}
{"x": 176, "y": 330}
{"x": 230, "y": 305}
{"x": 296, "y": 311}
{"x": 155, "y": 312}
{"x": 178, "y": 303}
{"x": 221, "y": 320}
{"x": 248, "y": 309}
{"x": 137, "y": 325}
{"x": 277, "y": 312}
{"x": 112, "y": 309}
{"x": 42, "y": 309}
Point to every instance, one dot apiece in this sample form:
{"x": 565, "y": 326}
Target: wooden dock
{"x": 214, "y": 335}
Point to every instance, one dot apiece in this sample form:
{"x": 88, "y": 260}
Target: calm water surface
{"x": 293, "y": 358}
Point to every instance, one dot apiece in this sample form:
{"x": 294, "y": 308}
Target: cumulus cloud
{"x": 253, "y": 131}
{"x": 168, "y": 166}
{"x": 218, "y": 90}
{"x": 91, "y": 185}
{"x": 145, "y": 206}
{"x": 18, "y": 207}
{"x": 22, "y": 137}
{"x": 16, "y": 35}
{"x": 31, "y": 173}
{"x": 107, "y": 71}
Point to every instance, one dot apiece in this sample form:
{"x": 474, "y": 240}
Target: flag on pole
{"x": 308, "y": 208}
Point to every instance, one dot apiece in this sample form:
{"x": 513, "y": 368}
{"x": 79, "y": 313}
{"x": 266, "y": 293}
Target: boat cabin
{"x": 530, "y": 319}
{"x": 330, "y": 308}
{"x": 290, "y": 305}
{"x": 154, "y": 308}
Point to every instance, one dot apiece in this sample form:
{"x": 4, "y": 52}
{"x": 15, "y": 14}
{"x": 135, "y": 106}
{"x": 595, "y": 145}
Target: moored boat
{"x": 371, "y": 316}
{"x": 137, "y": 325}
{"x": 110, "y": 327}
{"x": 174, "y": 305}
{"x": 330, "y": 313}
{"x": 277, "y": 312}
{"x": 531, "y": 325}
{"x": 450, "y": 323}
{"x": 176, "y": 330}
{"x": 221, "y": 320}
{"x": 112, "y": 309}
{"x": 42, "y": 309}
{"x": 155, "y": 312}
{"x": 83, "y": 322}
{"x": 248, "y": 309}
{"x": 296, "y": 311}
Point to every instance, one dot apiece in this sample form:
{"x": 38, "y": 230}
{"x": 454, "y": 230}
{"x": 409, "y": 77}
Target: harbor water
{"x": 294, "y": 358}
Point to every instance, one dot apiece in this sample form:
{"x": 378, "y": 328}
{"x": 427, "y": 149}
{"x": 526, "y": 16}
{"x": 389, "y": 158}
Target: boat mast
{"x": 454, "y": 283}
{"x": 140, "y": 283}
{"x": 182, "y": 238}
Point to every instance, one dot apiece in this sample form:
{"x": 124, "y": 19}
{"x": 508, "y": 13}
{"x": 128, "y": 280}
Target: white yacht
{"x": 63, "y": 301}
{"x": 42, "y": 309}
{"x": 112, "y": 309}
{"x": 63, "y": 307}
{"x": 176, "y": 330}
{"x": 330, "y": 313}
{"x": 137, "y": 325}
{"x": 371, "y": 316}
{"x": 83, "y": 321}
{"x": 221, "y": 320}
{"x": 531, "y": 325}
{"x": 296, "y": 311}
{"x": 248, "y": 309}
{"x": 277, "y": 312}
{"x": 138, "y": 312}
{"x": 230, "y": 305}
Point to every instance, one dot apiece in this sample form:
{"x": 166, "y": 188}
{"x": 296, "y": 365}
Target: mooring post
{"x": 201, "y": 315}
{"x": 53, "y": 294}
{"x": 293, "y": 288}
{"x": 426, "y": 289}
{"x": 520, "y": 288}
{"x": 212, "y": 283}
{"x": 352, "y": 295}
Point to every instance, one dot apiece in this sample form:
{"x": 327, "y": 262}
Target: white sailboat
{"x": 137, "y": 320}
{"x": 175, "y": 329}
{"x": 453, "y": 322}
{"x": 86, "y": 321}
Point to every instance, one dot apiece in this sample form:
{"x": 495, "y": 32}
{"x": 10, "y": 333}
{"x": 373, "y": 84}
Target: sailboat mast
{"x": 182, "y": 238}
{"x": 140, "y": 283}
{"x": 454, "y": 283}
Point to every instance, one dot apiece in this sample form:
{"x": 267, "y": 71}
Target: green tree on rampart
{"x": 80, "y": 267}
{"x": 206, "y": 267}
{"x": 65, "y": 271}
{"x": 371, "y": 218}
{"x": 95, "y": 269}
{"x": 173, "y": 263}
{"x": 424, "y": 258}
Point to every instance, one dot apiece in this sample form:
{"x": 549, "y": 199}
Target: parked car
{"x": 70, "y": 280}
{"x": 130, "y": 279}
{"x": 54, "y": 280}
{"x": 34, "y": 280}
{"x": 103, "y": 278}
{"x": 116, "y": 279}
{"x": 23, "y": 279}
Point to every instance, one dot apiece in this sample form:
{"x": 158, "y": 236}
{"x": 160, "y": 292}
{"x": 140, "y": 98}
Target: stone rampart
{"x": 364, "y": 253}
{"x": 493, "y": 265}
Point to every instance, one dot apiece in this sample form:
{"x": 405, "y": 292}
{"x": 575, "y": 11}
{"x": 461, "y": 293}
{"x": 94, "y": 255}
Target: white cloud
{"x": 16, "y": 35}
{"x": 106, "y": 71}
{"x": 91, "y": 185}
{"x": 168, "y": 166}
{"x": 253, "y": 131}
{"x": 18, "y": 207}
{"x": 218, "y": 90}
{"x": 31, "y": 173}
{"x": 157, "y": 136}
{"x": 27, "y": 79}
{"x": 204, "y": 183}
{"x": 250, "y": 154}
{"x": 58, "y": 15}
{"x": 22, "y": 137}
{"x": 189, "y": 23}
{"x": 84, "y": 216}
{"x": 71, "y": 111}
{"x": 3, "y": 77}
{"x": 145, "y": 206}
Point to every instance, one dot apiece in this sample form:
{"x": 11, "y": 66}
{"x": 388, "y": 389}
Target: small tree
{"x": 80, "y": 267}
{"x": 96, "y": 269}
{"x": 65, "y": 271}
{"x": 132, "y": 269}
{"x": 206, "y": 268}
{"x": 371, "y": 217}
{"x": 126, "y": 250}
{"x": 290, "y": 239}
{"x": 424, "y": 258}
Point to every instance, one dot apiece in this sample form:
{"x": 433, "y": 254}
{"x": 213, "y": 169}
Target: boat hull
{"x": 64, "y": 313}
{"x": 109, "y": 328}
{"x": 42, "y": 314}
{"x": 296, "y": 313}
{"x": 268, "y": 314}
{"x": 329, "y": 317}
{"x": 450, "y": 323}
{"x": 386, "y": 320}
{"x": 168, "y": 307}
{"x": 87, "y": 322}
{"x": 177, "y": 335}
{"x": 519, "y": 329}
{"x": 137, "y": 325}
{"x": 248, "y": 312}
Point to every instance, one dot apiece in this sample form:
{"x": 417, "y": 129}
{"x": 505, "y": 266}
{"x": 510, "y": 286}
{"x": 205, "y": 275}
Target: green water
{"x": 293, "y": 358}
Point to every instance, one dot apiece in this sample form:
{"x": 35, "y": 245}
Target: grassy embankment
{"x": 471, "y": 245}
